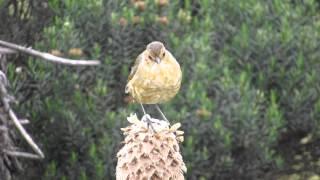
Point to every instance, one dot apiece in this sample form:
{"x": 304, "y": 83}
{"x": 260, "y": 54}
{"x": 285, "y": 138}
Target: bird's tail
{"x": 128, "y": 99}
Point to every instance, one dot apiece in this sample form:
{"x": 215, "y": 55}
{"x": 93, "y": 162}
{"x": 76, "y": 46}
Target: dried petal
{"x": 175, "y": 127}
{"x": 178, "y": 133}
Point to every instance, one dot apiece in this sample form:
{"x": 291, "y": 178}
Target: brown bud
{"x": 141, "y": 5}
{"x": 134, "y": 1}
{"x": 203, "y": 113}
{"x": 136, "y": 19}
{"x": 75, "y": 52}
{"x": 162, "y": 3}
{"x": 162, "y": 20}
{"x": 123, "y": 22}
{"x": 56, "y": 52}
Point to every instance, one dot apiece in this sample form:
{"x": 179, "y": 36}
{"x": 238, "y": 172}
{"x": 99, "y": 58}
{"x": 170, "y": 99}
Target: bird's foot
{"x": 147, "y": 119}
{"x": 156, "y": 125}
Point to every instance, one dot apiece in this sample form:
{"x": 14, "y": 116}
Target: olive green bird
{"x": 155, "y": 77}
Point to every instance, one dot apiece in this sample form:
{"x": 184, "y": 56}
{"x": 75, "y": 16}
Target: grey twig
{"x": 26, "y": 136}
{"x": 24, "y": 121}
{"x": 49, "y": 57}
{"x": 16, "y": 122}
{"x": 21, "y": 154}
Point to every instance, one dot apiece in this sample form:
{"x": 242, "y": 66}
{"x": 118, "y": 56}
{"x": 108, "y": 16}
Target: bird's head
{"x": 157, "y": 51}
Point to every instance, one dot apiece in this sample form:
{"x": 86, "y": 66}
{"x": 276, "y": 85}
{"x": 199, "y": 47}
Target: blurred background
{"x": 249, "y": 102}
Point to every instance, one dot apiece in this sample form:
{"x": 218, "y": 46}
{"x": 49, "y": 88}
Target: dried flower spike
{"x": 149, "y": 154}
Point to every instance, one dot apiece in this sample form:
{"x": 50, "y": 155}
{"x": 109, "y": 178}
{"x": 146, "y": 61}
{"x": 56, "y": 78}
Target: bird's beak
{"x": 158, "y": 60}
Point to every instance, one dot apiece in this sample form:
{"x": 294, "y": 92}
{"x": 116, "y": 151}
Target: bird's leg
{"x": 163, "y": 116}
{"x": 144, "y": 111}
{"x": 148, "y": 118}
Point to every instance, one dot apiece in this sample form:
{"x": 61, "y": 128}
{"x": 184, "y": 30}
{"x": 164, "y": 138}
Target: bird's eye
{"x": 163, "y": 54}
{"x": 150, "y": 57}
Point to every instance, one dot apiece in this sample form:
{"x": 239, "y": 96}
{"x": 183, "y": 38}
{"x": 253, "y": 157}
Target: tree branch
{"x": 21, "y": 154}
{"x": 6, "y": 51}
{"x": 49, "y": 57}
{"x": 25, "y": 135}
{"x": 5, "y": 101}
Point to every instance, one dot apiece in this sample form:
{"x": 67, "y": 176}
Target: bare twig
{"x": 16, "y": 122}
{"x": 6, "y": 51}
{"x": 25, "y": 135}
{"x": 21, "y": 154}
{"x": 49, "y": 57}
{"x": 24, "y": 121}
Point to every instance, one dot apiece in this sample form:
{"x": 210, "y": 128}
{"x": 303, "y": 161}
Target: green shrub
{"x": 250, "y": 77}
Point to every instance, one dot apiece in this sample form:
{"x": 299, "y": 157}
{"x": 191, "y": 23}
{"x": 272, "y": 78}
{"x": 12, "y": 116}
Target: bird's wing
{"x": 135, "y": 66}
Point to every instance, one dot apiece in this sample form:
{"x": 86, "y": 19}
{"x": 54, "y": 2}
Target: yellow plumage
{"x": 152, "y": 82}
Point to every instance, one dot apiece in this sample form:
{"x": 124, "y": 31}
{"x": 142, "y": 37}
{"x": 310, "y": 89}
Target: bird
{"x": 155, "y": 77}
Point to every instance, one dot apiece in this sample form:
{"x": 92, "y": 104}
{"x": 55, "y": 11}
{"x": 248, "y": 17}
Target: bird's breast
{"x": 156, "y": 83}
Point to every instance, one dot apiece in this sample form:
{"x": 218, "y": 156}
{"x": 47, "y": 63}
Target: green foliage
{"x": 250, "y": 77}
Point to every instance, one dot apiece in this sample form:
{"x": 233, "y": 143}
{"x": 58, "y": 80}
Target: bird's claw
{"x": 147, "y": 119}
